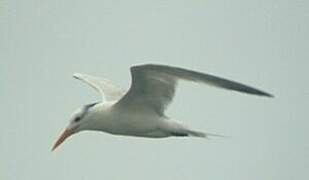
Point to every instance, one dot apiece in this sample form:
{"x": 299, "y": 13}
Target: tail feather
{"x": 202, "y": 134}
{"x": 177, "y": 129}
{"x": 197, "y": 134}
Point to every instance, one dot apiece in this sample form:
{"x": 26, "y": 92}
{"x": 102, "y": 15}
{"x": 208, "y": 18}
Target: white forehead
{"x": 78, "y": 112}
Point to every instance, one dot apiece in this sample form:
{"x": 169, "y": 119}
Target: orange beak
{"x": 65, "y": 134}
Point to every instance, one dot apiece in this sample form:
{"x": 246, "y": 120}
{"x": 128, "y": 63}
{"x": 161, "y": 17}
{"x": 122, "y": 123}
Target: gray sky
{"x": 263, "y": 43}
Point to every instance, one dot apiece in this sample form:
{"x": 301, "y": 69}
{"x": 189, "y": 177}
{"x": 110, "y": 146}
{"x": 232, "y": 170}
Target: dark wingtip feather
{"x": 268, "y": 95}
{"x": 262, "y": 93}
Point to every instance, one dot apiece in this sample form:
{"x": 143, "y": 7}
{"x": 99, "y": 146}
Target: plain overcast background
{"x": 263, "y": 43}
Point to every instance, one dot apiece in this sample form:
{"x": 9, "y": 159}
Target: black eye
{"x": 77, "y": 119}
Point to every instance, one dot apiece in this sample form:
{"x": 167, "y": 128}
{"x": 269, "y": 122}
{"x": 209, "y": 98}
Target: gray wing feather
{"x": 153, "y": 86}
{"x": 206, "y": 78}
{"x": 106, "y": 88}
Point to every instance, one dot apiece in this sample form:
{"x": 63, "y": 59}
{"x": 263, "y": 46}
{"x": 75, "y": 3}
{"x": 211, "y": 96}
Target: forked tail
{"x": 192, "y": 133}
{"x": 202, "y": 134}
{"x": 177, "y": 129}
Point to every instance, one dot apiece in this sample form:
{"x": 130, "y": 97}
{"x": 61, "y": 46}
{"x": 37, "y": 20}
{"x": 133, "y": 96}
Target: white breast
{"x": 137, "y": 123}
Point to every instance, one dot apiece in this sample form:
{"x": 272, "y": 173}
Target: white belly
{"x": 134, "y": 124}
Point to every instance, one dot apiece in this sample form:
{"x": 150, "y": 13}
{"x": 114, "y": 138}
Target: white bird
{"x": 140, "y": 110}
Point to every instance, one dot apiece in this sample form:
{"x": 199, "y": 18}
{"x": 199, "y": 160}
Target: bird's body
{"x": 140, "y": 111}
{"x": 107, "y": 118}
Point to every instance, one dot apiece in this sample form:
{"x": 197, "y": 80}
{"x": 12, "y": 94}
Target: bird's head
{"x": 78, "y": 122}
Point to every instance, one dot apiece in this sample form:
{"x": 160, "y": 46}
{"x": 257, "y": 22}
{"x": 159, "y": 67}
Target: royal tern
{"x": 140, "y": 110}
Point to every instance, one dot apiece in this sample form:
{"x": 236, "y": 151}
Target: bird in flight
{"x": 140, "y": 110}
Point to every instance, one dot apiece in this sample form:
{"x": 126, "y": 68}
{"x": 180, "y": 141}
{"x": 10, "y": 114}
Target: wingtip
{"x": 271, "y": 96}
{"x": 268, "y": 95}
{"x": 260, "y": 93}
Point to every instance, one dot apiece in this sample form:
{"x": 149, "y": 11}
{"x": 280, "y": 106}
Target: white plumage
{"x": 140, "y": 110}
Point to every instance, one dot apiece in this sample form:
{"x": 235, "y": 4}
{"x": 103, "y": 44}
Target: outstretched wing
{"x": 153, "y": 86}
{"x": 108, "y": 90}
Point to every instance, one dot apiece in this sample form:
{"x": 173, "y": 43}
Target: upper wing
{"x": 153, "y": 86}
{"x": 107, "y": 90}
